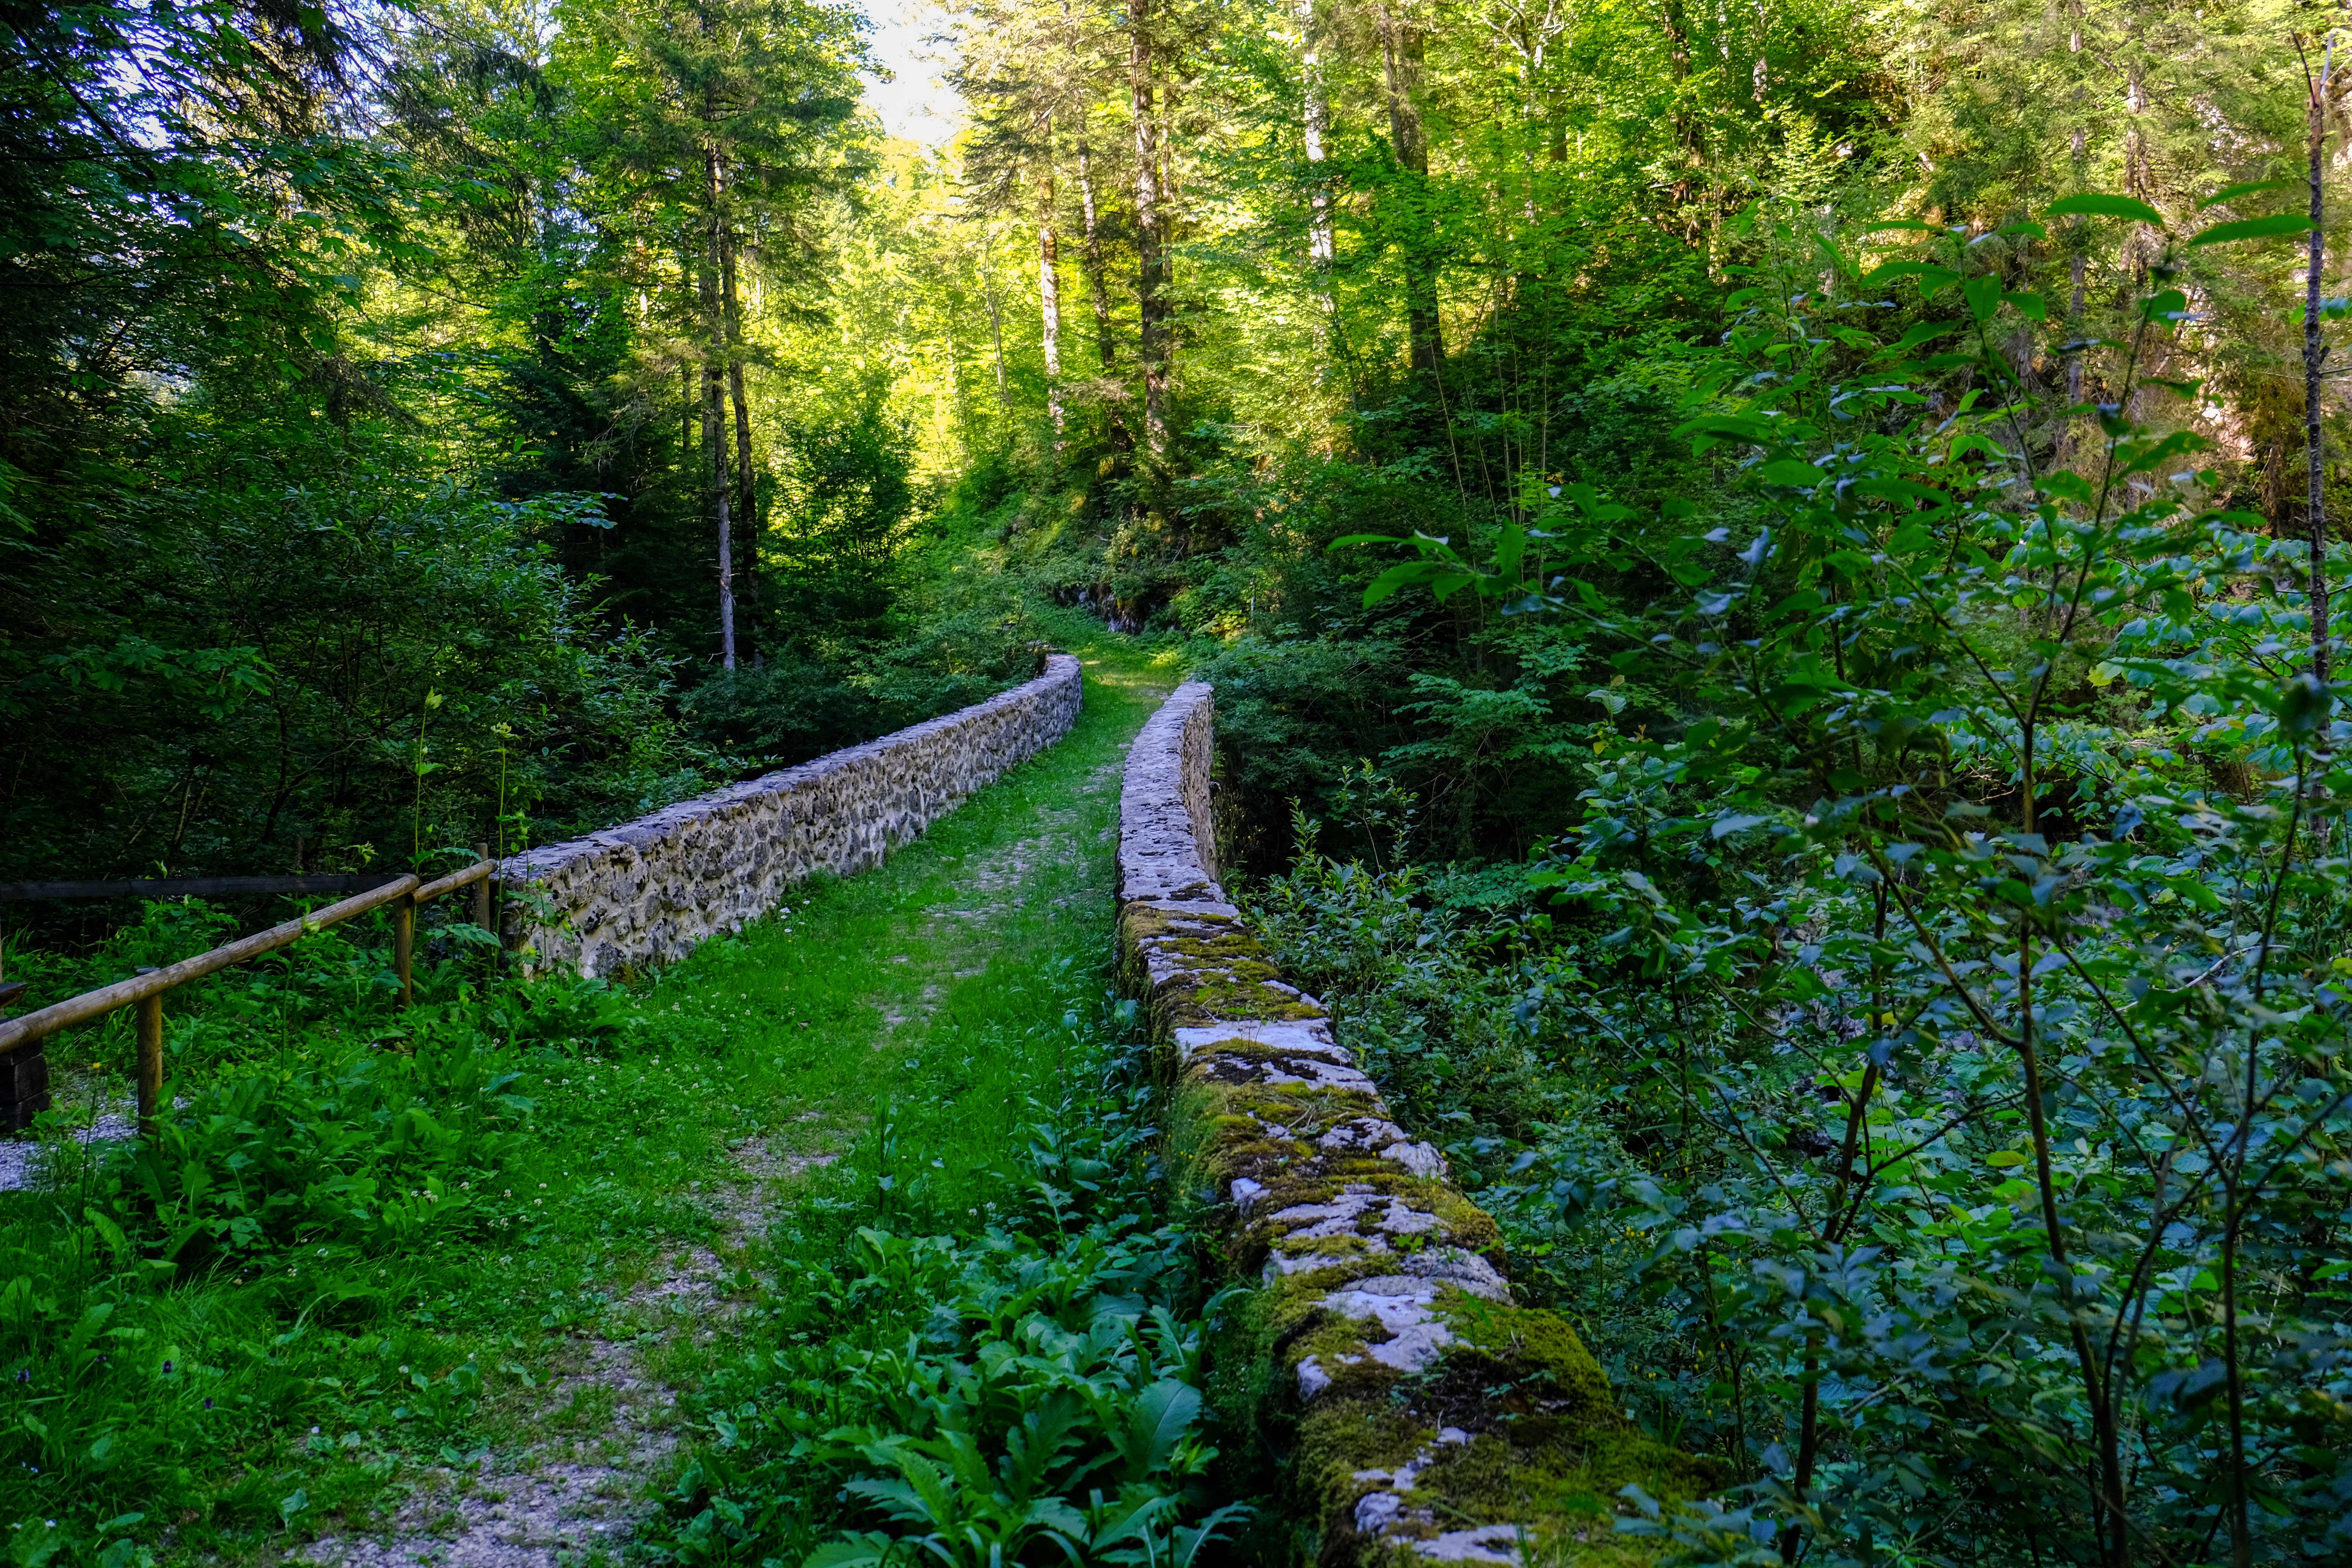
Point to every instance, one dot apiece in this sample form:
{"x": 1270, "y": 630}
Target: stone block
{"x": 647, "y": 891}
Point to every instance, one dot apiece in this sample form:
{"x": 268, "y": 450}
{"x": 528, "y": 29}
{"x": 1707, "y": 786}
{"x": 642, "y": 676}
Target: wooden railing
{"x": 21, "y": 1062}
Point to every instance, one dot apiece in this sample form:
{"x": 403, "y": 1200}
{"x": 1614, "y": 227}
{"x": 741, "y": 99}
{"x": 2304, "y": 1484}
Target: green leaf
{"x": 2005, "y": 1158}
{"x": 2028, "y": 304}
{"x": 1916, "y": 333}
{"x": 2232, "y": 193}
{"x": 2302, "y": 706}
{"x": 1931, "y": 276}
{"x": 1901, "y": 490}
{"x": 1983, "y": 295}
{"x": 1404, "y": 574}
{"x": 2254, "y": 228}
{"x": 1161, "y": 1416}
{"x": 866, "y": 1549}
{"x": 2093, "y": 204}
{"x": 1446, "y": 584}
{"x": 1510, "y": 549}
{"x": 1789, "y": 471}
{"x": 1729, "y": 426}
{"x": 1348, "y": 539}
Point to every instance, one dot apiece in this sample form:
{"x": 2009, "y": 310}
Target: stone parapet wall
{"x": 647, "y": 891}
{"x": 1429, "y": 1415}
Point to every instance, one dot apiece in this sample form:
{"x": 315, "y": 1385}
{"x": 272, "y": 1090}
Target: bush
{"x": 1941, "y": 1100}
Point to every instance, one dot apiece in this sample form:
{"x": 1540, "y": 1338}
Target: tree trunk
{"x": 746, "y": 491}
{"x": 2315, "y": 354}
{"x": 1317, "y": 117}
{"x": 1151, "y": 298}
{"x": 714, "y": 415}
{"x": 1094, "y": 261}
{"x": 1400, "y": 51}
{"x": 1679, "y": 59}
{"x": 1049, "y": 287}
{"x": 996, "y": 335}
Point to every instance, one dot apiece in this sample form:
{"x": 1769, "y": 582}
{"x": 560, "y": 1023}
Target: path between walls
{"x": 863, "y": 977}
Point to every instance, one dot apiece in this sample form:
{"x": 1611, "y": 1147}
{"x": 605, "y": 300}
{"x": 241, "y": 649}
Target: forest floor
{"x": 856, "y": 1004}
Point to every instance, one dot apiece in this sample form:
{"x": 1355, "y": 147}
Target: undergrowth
{"x": 354, "y": 1277}
{"x": 1000, "y": 1368}
{"x": 278, "y": 1306}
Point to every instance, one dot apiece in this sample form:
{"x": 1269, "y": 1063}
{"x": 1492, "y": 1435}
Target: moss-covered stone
{"x": 1212, "y": 996}
{"x": 1508, "y": 1423}
{"x": 1139, "y": 922}
{"x": 1533, "y": 1353}
{"x": 1339, "y": 1437}
{"x": 1227, "y": 951}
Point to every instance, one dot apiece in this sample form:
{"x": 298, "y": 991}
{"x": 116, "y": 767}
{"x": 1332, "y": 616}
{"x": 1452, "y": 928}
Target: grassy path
{"x": 895, "y": 1027}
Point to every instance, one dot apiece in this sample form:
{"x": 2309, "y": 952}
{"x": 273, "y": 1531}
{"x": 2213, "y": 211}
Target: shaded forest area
{"x": 378, "y": 386}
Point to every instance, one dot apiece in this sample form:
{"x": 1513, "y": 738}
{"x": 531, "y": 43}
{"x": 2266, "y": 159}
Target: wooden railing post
{"x": 482, "y": 891}
{"x": 149, "y": 1011}
{"x": 403, "y": 945}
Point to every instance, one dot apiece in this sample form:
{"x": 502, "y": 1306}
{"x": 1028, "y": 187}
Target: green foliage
{"x": 349, "y": 607}
{"x": 1412, "y": 982}
{"x": 1934, "y": 1049}
{"x": 175, "y": 1313}
{"x": 1025, "y": 1389}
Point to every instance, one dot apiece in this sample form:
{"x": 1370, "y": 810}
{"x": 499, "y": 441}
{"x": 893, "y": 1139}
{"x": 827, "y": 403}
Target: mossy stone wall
{"x": 1430, "y": 1414}
{"x": 648, "y": 890}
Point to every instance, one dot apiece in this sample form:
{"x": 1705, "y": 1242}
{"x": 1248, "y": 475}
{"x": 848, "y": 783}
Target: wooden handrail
{"x": 146, "y": 989}
{"x": 15, "y": 1032}
{"x": 456, "y": 879}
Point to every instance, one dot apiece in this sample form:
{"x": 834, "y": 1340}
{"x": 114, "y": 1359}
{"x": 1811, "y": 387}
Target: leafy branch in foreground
{"x": 1996, "y": 802}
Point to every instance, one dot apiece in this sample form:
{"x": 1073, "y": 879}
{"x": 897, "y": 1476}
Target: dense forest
{"x": 1765, "y": 569}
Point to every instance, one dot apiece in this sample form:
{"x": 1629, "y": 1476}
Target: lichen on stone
{"x": 1429, "y": 1416}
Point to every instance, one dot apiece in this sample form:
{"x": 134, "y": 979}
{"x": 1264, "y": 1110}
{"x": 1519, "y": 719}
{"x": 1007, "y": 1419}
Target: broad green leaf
{"x": 1726, "y": 424}
{"x": 1789, "y": 471}
{"x": 1901, "y": 490}
{"x": 1446, "y": 584}
{"x": 1162, "y": 1415}
{"x": 1932, "y": 278}
{"x": 1916, "y": 333}
{"x": 1402, "y": 574}
{"x": 1983, "y": 295}
{"x": 2251, "y": 187}
{"x": 2093, "y": 204}
{"x": 2254, "y": 228}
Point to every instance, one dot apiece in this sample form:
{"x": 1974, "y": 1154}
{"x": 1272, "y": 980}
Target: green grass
{"x": 583, "y": 1232}
{"x": 863, "y": 992}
